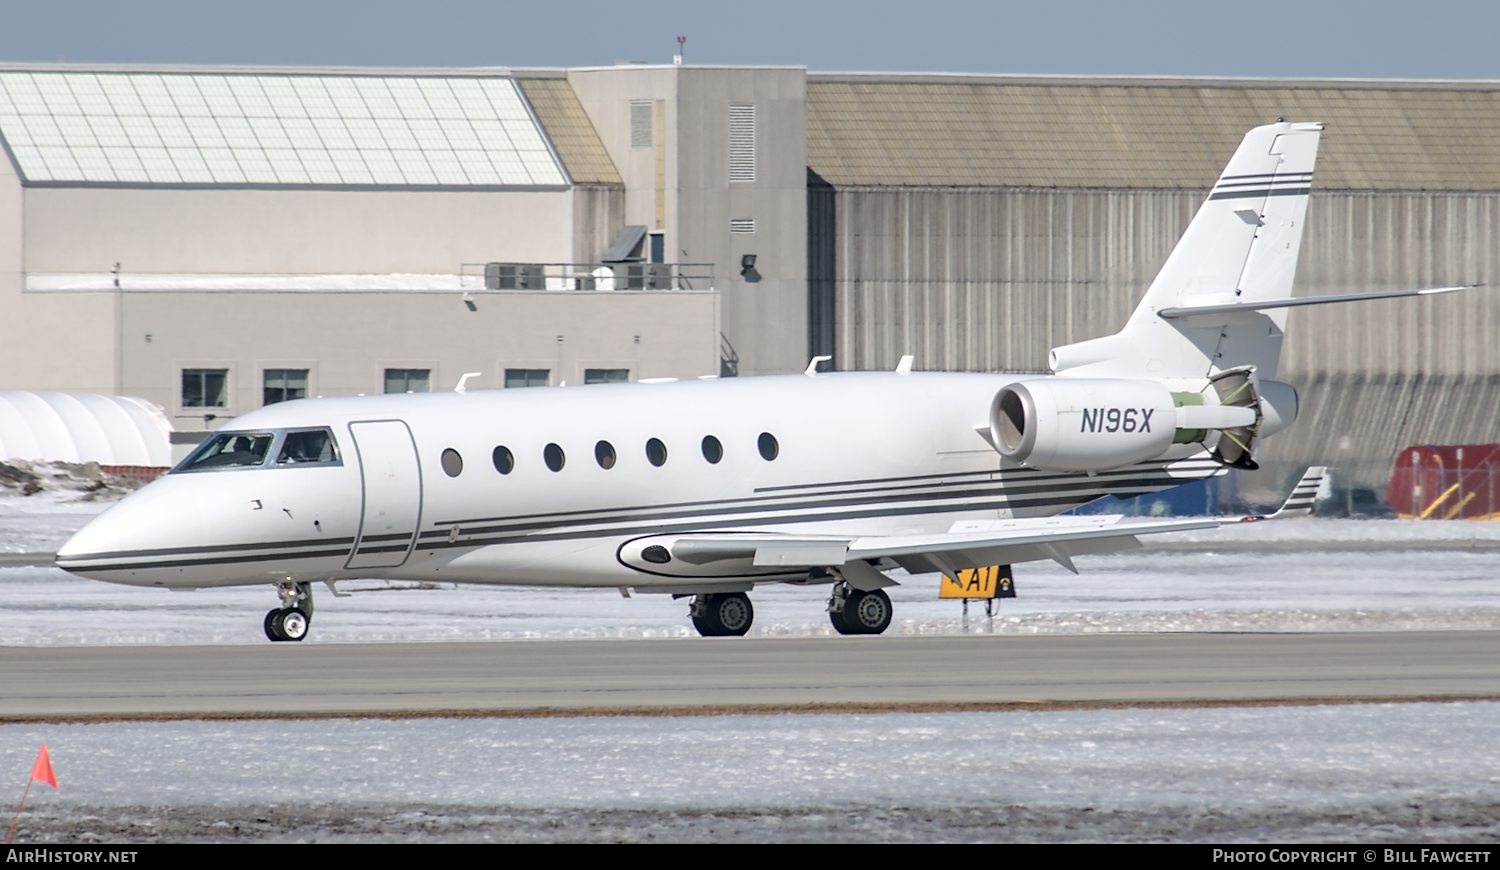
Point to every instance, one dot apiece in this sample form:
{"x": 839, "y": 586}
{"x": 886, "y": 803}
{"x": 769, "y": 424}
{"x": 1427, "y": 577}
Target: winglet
{"x": 1300, "y": 502}
{"x": 812, "y": 366}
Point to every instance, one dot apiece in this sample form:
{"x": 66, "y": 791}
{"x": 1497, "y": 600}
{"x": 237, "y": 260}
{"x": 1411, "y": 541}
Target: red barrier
{"x": 1446, "y": 481}
{"x": 142, "y": 473}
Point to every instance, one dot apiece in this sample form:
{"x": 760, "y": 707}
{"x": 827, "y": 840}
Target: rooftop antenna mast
{"x": 677, "y": 58}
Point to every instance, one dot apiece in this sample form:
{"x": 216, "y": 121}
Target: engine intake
{"x": 1082, "y": 424}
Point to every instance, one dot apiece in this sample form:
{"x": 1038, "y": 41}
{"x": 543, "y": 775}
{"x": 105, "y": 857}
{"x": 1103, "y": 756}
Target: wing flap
{"x": 1055, "y": 538}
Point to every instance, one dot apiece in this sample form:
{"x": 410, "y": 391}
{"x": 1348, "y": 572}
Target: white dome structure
{"x": 84, "y": 427}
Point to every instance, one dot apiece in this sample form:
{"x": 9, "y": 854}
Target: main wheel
{"x": 863, "y": 613}
{"x": 725, "y": 614}
{"x": 273, "y": 624}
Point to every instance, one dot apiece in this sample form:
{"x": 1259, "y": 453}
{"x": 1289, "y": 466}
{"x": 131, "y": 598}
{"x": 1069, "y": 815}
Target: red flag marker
{"x": 41, "y": 771}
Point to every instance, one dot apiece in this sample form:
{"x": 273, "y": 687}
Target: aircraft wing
{"x": 970, "y": 544}
{"x": 966, "y": 545}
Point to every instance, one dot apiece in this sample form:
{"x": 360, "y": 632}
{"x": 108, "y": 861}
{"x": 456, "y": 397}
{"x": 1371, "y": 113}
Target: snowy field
{"x": 1405, "y": 773}
{"x": 1363, "y": 774}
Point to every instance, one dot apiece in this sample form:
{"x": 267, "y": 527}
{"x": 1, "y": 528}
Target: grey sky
{"x": 1313, "y": 38}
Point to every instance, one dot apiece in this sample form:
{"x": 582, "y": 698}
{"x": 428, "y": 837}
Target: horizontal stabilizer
{"x": 1298, "y": 301}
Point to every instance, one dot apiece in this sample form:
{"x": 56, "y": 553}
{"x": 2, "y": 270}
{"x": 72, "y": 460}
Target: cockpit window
{"x": 290, "y": 447}
{"x": 229, "y": 450}
{"x": 307, "y": 445}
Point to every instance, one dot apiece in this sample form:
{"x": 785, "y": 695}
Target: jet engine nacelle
{"x": 1077, "y": 424}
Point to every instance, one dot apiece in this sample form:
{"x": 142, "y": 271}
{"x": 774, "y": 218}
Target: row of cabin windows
{"x": 555, "y": 458}
{"x": 209, "y": 388}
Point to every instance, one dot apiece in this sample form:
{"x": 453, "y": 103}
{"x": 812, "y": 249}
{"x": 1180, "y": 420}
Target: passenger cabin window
{"x": 554, "y": 457}
{"x": 604, "y": 454}
{"x": 452, "y": 462}
{"x": 505, "y": 461}
{"x": 656, "y": 452}
{"x": 713, "y": 451}
{"x": 306, "y": 447}
{"x": 769, "y": 449}
{"x": 205, "y": 388}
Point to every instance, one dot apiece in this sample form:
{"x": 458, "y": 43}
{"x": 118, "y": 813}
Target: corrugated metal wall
{"x": 983, "y": 279}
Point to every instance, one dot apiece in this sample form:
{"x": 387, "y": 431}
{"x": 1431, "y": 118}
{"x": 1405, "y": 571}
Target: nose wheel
{"x": 290, "y": 621}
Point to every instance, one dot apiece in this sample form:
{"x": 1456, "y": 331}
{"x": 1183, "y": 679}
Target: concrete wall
{"x": 347, "y": 340}
{"x": 137, "y": 341}
{"x": 680, "y": 185}
{"x": 275, "y": 231}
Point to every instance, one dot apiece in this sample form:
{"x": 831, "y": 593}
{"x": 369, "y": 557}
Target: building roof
{"x": 72, "y": 126}
{"x": 918, "y": 130}
{"x": 571, "y": 131}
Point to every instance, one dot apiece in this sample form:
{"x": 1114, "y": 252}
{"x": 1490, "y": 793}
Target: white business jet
{"x": 708, "y": 488}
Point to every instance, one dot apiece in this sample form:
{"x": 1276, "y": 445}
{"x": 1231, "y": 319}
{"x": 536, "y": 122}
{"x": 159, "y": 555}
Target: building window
{"x": 527, "y": 377}
{"x": 205, "y": 388}
{"x": 283, "y": 385}
{"x": 741, "y": 142}
{"x": 606, "y": 376}
{"x": 408, "y": 380}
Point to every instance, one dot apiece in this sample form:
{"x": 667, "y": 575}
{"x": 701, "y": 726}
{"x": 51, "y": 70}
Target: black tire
{"x": 273, "y": 625}
{"x": 869, "y": 612}
{"x": 725, "y": 614}
{"x": 841, "y": 625}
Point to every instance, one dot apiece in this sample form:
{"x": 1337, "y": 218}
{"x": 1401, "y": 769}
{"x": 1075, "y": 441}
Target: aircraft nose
{"x": 102, "y": 538}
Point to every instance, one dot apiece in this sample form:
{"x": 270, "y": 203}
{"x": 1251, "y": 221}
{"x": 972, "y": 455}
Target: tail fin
{"x": 1241, "y": 247}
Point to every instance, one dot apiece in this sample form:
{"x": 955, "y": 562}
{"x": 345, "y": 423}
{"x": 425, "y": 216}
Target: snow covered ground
{"x": 1366, "y": 774}
{"x": 1362, "y": 774}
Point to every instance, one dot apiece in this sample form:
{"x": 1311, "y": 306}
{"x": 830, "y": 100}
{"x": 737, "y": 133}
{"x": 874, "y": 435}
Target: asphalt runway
{"x": 698, "y": 676}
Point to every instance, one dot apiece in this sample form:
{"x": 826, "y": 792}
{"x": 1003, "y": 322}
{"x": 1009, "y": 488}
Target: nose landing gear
{"x": 293, "y": 618}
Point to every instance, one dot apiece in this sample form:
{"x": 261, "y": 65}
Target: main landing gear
{"x": 722, "y": 614}
{"x": 852, "y": 611}
{"x": 855, "y": 611}
{"x": 293, "y": 618}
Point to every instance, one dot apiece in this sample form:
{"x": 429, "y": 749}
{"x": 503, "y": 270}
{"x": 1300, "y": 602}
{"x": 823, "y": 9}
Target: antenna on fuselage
{"x": 812, "y": 367}
{"x": 463, "y": 380}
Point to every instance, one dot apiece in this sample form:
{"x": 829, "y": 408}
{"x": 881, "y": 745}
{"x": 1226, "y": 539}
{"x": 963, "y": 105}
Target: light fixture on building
{"x": 469, "y": 302}
{"x": 747, "y": 264}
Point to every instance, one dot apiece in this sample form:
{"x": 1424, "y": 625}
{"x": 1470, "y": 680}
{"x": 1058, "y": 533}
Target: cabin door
{"x": 392, "y": 494}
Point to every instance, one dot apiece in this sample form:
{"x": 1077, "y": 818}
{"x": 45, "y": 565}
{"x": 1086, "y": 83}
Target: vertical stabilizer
{"x": 1241, "y": 246}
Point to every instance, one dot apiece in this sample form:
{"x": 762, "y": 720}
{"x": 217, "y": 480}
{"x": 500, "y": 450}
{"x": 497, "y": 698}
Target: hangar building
{"x": 213, "y": 239}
